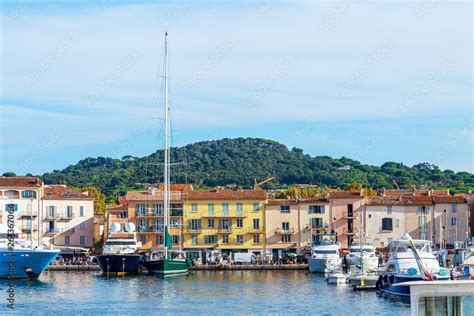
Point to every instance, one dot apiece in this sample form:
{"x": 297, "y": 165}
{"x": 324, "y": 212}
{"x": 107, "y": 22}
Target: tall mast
{"x": 166, "y": 179}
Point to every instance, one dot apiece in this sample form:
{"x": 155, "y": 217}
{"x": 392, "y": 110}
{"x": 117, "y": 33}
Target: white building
{"x": 53, "y": 214}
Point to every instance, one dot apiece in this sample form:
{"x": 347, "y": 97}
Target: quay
{"x": 242, "y": 267}
{"x": 73, "y": 268}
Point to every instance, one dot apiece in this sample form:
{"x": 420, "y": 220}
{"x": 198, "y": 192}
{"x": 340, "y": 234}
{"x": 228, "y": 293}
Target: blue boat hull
{"x": 25, "y": 263}
{"x": 390, "y": 283}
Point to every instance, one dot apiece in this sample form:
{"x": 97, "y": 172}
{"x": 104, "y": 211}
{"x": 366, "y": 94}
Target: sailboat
{"x": 168, "y": 261}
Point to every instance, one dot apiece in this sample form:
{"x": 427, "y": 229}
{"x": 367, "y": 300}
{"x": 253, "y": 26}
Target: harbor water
{"x": 199, "y": 292}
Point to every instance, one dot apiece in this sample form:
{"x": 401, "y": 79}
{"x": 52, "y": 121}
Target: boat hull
{"x": 27, "y": 263}
{"x": 119, "y": 264}
{"x": 167, "y": 266}
{"x": 371, "y": 264}
{"x": 393, "y": 284}
{"x": 324, "y": 265}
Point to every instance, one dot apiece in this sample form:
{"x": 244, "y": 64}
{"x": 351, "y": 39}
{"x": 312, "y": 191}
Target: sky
{"x": 373, "y": 81}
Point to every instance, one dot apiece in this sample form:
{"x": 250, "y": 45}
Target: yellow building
{"x": 223, "y": 222}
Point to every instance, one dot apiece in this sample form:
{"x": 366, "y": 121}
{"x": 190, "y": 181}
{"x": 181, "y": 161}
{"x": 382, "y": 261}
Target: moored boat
{"x": 119, "y": 255}
{"x": 325, "y": 255}
{"x": 409, "y": 260}
{"x": 22, "y": 261}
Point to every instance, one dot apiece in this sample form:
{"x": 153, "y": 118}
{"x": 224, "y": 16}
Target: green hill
{"x": 240, "y": 160}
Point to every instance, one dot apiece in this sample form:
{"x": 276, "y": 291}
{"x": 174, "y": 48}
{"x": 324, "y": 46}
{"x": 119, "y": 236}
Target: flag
{"x": 167, "y": 238}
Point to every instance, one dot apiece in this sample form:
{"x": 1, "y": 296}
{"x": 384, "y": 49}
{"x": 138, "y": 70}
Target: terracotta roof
{"x": 156, "y": 196}
{"x": 122, "y": 200}
{"x": 407, "y": 200}
{"x": 413, "y": 192}
{"x": 178, "y": 187}
{"x": 20, "y": 182}
{"x": 117, "y": 208}
{"x": 59, "y": 192}
{"x": 450, "y": 199}
{"x": 282, "y": 202}
{"x": 345, "y": 194}
{"x": 226, "y": 195}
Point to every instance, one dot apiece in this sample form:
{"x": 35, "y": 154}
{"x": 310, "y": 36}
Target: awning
{"x": 282, "y": 246}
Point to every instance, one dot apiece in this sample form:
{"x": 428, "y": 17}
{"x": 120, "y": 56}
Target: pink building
{"x": 282, "y": 227}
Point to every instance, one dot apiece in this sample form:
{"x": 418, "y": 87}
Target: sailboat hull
{"x": 167, "y": 266}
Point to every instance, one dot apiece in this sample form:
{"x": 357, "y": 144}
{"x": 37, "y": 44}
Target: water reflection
{"x": 228, "y": 292}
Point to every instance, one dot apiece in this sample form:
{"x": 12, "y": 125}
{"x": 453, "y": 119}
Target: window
{"x": 423, "y": 209}
{"x": 285, "y": 238}
{"x": 194, "y": 240}
{"x": 51, "y": 211}
{"x": 454, "y": 208}
{"x": 121, "y": 215}
{"x": 225, "y": 209}
{"x": 194, "y": 224}
{"x": 256, "y": 207}
{"x": 142, "y": 225}
{"x": 82, "y": 240}
{"x": 240, "y": 239}
{"x": 174, "y": 223}
{"x": 397, "y": 223}
{"x": 210, "y": 209}
{"x": 453, "y": 237}
{"x": 194, "y": 207}
{"x": 387, "y": 224}
{"x": 142, "y": 209}
{"x": 82, "y": 225}
{"x": 239, "y": 209}
{"x": 256, "y": 239}
{"x": 389, "y": 209}
{"x": 81, "y": 211}
{"x": 225, "y": 239}
{"x": 157, "y": 210}
{"x": 453, "y": 221}
{"x": 256, "y": 223}
{"x": 66, "y": 240}
{"x": 239, "y": 223}
{"x": 175, "y": 239}
{"x": 69, "y": 213}
{"x": 157, "y": 225}
{"x": 159, "y": 239}
{"x": 316, "y": 222}
{"x": 143, "y": 239}
{"x": 284, "y": 208}
{"x": 285, "y": 226}
{"x": 210, "y": 223}
{"x": 316, "y": 209}
{"x": 210, "y": 239}
{"x": 28, "y": 194}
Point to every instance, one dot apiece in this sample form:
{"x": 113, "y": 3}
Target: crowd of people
{"x": 73, "y": 260}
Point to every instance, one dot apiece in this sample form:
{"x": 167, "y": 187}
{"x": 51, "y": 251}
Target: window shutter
{"x": 323, "y": 209}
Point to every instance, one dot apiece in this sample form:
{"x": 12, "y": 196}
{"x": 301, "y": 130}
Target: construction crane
{"x": 257, "y": 185}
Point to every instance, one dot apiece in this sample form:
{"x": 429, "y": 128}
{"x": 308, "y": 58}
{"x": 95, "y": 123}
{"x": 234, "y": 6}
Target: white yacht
{"x": 325, "y": 254}
{"x": 410, "y": 260}
{"x": 364, "y": 252}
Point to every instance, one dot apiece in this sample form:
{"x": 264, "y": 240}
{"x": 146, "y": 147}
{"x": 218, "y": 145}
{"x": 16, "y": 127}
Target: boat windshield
{"x": 119, "y": 242}
{"x": 325, "y": 252}
{"x": 356, "y": 250}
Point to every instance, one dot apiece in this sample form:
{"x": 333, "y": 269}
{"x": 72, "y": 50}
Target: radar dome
{"x": 130, "y": 227}
{"x": 115, "y": 227}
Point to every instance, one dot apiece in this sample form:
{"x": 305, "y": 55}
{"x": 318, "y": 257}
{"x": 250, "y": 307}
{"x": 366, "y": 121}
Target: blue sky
{"x": 374, "y": 81}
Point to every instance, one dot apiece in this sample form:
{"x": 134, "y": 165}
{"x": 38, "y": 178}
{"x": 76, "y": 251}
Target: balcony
{"x": 281, "y": 231}
{"x": 224, "y": 230}
{"x": 347, "y": 231}
{"x": 254, "y": 230}
{"x": 66, "y": 216}
{"x": 190, "y": 230}
{"x": 29, "y": 227}
{"x": 53, "y": 231}
{"x": 349, "y": 215}
{"x": 28, "y": 213}
{"x": 51, "y": 217}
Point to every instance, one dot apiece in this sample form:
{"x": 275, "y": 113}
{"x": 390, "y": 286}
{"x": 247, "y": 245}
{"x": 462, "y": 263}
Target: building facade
{"x": 282, "y": 227}
{"x": 67, "y": 217}
{"x": 224, "y": 222}
{"x": 314, "y": 218}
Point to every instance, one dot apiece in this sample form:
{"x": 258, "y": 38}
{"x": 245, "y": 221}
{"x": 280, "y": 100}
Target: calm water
{"x": 236, "y": 292}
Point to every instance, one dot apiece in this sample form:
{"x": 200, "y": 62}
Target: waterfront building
{"x": 67, "y": 217}
{"x": 25, "y": 194}
{"x": 145, "y": 209}
{"x": 224, "y": 222}
{"x": 282, "y": 227}
{"x": 345, "y": 209}
{"x": 314, "y": 218}
{"x": 432, "y": 215}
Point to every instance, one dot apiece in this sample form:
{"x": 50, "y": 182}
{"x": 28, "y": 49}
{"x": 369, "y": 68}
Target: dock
{"x": 250, "y": 267}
